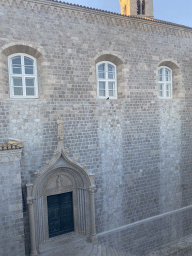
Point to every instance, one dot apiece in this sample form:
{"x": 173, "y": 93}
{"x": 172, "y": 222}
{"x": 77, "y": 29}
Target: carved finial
{"x": 60, "y": 129}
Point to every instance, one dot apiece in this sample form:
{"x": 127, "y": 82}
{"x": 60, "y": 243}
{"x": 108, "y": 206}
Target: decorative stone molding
{"x": 61, "y": 175}
{"x": 7, "y": 156}
{"x": 23, "y": 47}
{"x": 109, "y": 56}
{"x": 98, "y": 16}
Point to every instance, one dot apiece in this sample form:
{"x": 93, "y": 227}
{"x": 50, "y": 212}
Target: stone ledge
{"x": 10, "y": 155}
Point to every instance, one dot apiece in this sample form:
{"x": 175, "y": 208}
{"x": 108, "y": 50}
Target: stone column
{"x": 92, "y": 209}
{"x": 30, "y": 202}
{"x": 32, "y": 228}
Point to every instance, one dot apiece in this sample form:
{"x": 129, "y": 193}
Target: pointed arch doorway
{"x": 61, "y": 199}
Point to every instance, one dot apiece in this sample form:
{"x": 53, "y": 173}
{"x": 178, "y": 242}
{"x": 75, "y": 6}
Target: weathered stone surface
{"x": 139, "y": 146}
{"x": 11, "y": 210}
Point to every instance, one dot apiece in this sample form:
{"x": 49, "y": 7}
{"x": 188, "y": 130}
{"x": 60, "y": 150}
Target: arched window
{"x": 23, "y": 76}
{"x": 106, "y": 80}
{"x": 165, "y": 82}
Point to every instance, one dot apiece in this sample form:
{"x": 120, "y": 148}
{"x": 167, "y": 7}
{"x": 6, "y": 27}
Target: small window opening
{"x": 138, "y": 7}
{"x": 143, "y": 7}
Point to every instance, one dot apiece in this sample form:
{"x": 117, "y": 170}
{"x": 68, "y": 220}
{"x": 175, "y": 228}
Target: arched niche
{"x": 60, "y": 175}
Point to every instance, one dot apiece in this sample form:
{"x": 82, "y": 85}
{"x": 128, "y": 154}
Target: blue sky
{"x": 177, "y": 11}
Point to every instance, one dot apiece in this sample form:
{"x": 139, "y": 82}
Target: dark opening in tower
{"x": 143, "y": 7}
{"x": 140, "y": 7}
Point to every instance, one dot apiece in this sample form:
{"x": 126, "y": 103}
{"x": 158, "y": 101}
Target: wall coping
{"x": 99, "y": 16}
{"x": 7, "y": 156}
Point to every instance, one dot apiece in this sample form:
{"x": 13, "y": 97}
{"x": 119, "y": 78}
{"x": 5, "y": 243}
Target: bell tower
{"x": 140, "y": 8}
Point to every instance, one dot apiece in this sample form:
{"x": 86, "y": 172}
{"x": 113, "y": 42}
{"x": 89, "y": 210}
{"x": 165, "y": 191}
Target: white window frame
{"x": 23, "y": 76}
{"x": 106, "y": 80}
{"x": 164, "y": 83}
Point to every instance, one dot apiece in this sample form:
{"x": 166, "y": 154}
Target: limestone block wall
{"x": 11, "y": 213}
{"x": 138, "y": 146}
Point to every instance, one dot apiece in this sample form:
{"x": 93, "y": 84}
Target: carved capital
{"x": 92, "y": 189}
{"x": 30, "y": 201}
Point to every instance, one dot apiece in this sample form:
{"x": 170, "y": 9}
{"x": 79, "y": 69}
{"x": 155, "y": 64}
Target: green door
{"x": 60, "y": 214}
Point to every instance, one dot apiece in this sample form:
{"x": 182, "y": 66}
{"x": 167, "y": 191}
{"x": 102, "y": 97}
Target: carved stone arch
{"x": 109, "y": 56}
{"x": 60, "y": 175}
{"x": 22, "y": 47}
{"x": 177, "y": 81}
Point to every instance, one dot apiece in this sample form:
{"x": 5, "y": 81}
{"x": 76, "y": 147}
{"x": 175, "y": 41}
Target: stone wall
{"x": 11, "y": 213}
{"x": 138, "y": 146}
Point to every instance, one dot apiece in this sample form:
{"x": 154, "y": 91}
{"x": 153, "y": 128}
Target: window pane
{"x": 17, "y": 81}
{"x": 111, "y": 93}
{"x": 101, "y": 67}
{"x": 168, "y": 94}
{"x": 111, "y": 72}
{"x": 16, "y": 65}
{"x": 16, "y": 60}
{"x": 167, "y": 75}
{"x": 101, "y": 71}
{"x": 160, "y": 93}
{"x": 30, "y": 81}
{"x": 30, "y": 91}
{"x": 18, "y": 91}
{"x": 28, "y": 61}
{"x": 160, "y": 75}
{"x": 168, "y": 90}
{"x": 160, "y": 87}
{"x": 101, "y": 85}
{"x": 101, "y": 93}
{"x": 102, "y": 75}
{"x": 111, "y": 68}
{"x": 111, "y": 75}
{"x": 28, "y": 65}
{"x": 111, "y": 85}
{"x": 168, "y": 86}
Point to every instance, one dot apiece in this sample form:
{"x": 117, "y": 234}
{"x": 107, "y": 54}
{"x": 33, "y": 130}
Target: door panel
{"x": 60, "y": 214}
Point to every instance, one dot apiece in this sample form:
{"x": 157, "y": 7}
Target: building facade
{"x": 120, "y": 155}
